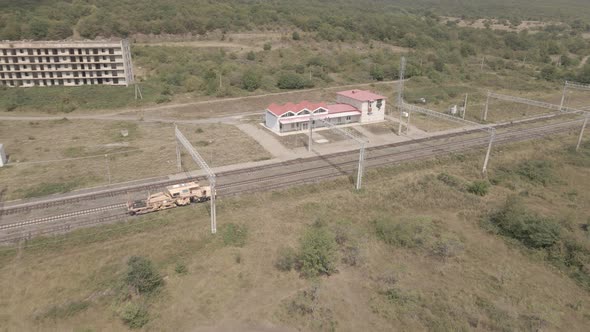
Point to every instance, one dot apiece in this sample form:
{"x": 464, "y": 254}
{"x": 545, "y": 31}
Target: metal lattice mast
{"x": 201, "y": 162}
{"x": 360, "y": 141}
{"x": 400, "y": 92}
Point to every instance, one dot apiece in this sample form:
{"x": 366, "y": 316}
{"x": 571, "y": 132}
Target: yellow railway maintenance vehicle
{"x": 175, "y": 195}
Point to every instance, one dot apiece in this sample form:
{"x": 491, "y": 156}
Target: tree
{"x": 317, "y": 253}
{"x": 251, "y": 56}
{"x": 141, "y": 275}
{"x": 267, "y": 46}
{"x": 377, "y": 73}
{"x": 251, "y": 80}
{"x": 549, "y": 73}
{"x": 289, "y": 80}
{"x": 296, "y": 35}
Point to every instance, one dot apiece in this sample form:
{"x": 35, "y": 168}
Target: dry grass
{"x": 489, "y": 284}
{"x": 382, "y": 128}
{"x": 150, "y": 146}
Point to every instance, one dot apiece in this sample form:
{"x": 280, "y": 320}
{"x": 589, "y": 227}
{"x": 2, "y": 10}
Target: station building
{"x": 65, "y": 63}
{"x": 351, "y": 106}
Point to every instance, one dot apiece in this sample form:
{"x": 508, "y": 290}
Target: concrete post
{"x": 178, "y": 159}
{"x": 213, "y": 210}
{"x": 485, "y": 113}
{"x": 563, "y": 96}
{"x": 581, "y": 134}
{"x": 310, "y": 141}
{"x": 465, "y": 106}
{"x": 359, "y": 175}
{"x": 487, "y": 159}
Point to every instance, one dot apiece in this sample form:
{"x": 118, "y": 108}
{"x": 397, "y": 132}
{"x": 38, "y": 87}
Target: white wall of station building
{"x": 27, "y": 64}
{"x": 369, "y": 110}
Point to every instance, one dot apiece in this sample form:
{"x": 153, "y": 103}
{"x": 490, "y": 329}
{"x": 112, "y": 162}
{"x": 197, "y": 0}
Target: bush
{"x": 251, "y": 80}
{"x": 296, "y": 35}
{"x": 290, "y": 80}
{"x": 251, "y": 56}
{"x": 134, "y": 315}
{"x": 537, "y": 171}
{"x": 409, "y": 234}
{"x": 267, "y": 46}
{"x": 449, "y": 180}
{"x": 234, "y": 235}
{"x": 180, "y": 269}
{"x": 287, "y": 259}
{"x": 317, "y": 253}
{"x": 479, "y": 188}
{"x": 142, "y": 276}
{"x": 533, "y": 231}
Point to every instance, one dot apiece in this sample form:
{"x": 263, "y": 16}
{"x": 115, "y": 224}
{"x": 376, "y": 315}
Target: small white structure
{"x": 2, "y": 156}
{"x": 371, "y": 105}
{"x": 353, "y": 106}
{"x": 454, "y": 110}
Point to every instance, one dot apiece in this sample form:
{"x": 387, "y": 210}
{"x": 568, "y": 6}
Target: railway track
{"x": 27, "y": 207}
{"x": 313, "y": 175}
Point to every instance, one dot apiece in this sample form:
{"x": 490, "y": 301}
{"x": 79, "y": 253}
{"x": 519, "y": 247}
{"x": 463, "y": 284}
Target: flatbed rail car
{"x": 174, "y": 196}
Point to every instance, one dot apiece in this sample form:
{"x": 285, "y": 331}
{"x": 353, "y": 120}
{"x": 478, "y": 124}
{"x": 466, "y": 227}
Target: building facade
{"x": 27, "y": 64}
{"x": 352, "y": 106}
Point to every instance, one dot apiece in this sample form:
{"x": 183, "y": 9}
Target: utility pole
{"x": 310, "y": 141}
{"x": 181, "y": 139}
{"x": 487, "y": 159}
{"x": 581, "y": 133}
{"x": 137, "y": 91}
{"x": 400, "y": 93}
{"x": 563, "y": 96}
{"x": 483, "y": 59}
{"x": 106, "y": 158}
{"x": 178, "y": 160}
{"x": 485, "y": 113}
{"x": 359, "y": 174}
{"x": 220, "y": 84}
{"x": 465, "y": 106}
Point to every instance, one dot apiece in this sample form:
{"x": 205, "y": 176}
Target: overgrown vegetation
{"x": 234, "y": 235}
{"x": 559, "y": 244}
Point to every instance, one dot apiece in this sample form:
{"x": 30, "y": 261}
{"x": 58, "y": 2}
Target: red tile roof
{"x": 361, "y": 95}
{"x": 279, "y": 110}
{"x": 341, "y": 108}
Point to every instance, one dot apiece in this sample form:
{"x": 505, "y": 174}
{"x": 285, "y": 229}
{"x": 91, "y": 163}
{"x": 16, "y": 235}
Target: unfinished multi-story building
{"x": 71, "y": 63}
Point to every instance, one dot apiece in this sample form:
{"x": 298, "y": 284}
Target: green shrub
{"x": 141, "y": 275}
{"x": 289, "y": 80}
{"x": 317, "y": 252}
{"x": 408, "y": 233}
{"x": 533, "y": 231}
{"x": 536, "y": 171}
{"x": 251, "y": 80}
{"x": 134, "y": 315}
{"x": 287, "y": 259}
{"x": 65, "y": 311}
{"x": 180, "y": 269}
{"x": 251, "y": 56}
{"x": 267, "y": 46}
{"x": 234, "y": 235}
{"x": 479, "y": 188}
{"x": 449, "y": 180}
{"x": 296, "y": 35}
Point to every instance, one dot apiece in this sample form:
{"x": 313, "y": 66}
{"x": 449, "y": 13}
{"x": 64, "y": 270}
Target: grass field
{"x": 412, "y": 251}
{"x": 62, "y": 155}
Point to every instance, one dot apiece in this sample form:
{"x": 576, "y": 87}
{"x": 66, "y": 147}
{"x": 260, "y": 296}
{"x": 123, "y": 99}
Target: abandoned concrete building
{"x": 47, "y": 63}
{"x": 351, "y": 106}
